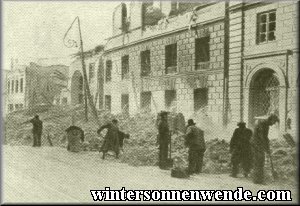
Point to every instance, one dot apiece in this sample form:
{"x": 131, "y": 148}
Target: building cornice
{"x": 270, "y": 54}
{"x": 165, "y": 34}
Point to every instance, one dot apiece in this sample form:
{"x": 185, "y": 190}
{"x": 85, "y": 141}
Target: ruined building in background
{"x": 74, "y": 92}
{"x": 231, "y": 60}
{"x": 33, "y": 87}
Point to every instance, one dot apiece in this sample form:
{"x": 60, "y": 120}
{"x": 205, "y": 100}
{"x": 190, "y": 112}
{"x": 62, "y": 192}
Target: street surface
{"x": 52, "y": 174}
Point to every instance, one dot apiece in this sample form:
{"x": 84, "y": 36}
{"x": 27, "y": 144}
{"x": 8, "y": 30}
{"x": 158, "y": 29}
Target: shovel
{"x": 274, "y": 173}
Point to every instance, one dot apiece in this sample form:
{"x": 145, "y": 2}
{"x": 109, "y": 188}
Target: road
{"x": 54, "y": 175}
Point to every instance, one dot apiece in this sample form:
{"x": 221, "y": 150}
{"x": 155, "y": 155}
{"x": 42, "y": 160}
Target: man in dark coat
{"x": 37, "y": 131}
{"x": 112, "y": 138}
{"x": 163, "y": 139}
{"x": 260, "y": 145}
{"x": 196, "y": 143}
{"x": 240, "y": 149}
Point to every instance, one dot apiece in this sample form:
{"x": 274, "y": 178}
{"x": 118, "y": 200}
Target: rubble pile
{"x": 285, "y": 160}
{"x": 141, "y": 149}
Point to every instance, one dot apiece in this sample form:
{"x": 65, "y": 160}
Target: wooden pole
{"x": 87, "y": 89}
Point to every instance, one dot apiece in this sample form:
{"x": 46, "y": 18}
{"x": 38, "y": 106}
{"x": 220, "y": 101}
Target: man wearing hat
{"x": 260, "y": 145}
{"x": 194, "y": 139}
{"x": 37, "y": 131}
{"x": 240, "y": 149}
{"x": 163, "y": 139}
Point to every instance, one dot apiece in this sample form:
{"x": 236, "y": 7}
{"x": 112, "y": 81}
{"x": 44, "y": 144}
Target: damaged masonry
{"x": 218, "y": 63}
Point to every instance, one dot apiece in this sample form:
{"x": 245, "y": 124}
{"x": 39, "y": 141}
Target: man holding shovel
{"x": 260, "y": 145}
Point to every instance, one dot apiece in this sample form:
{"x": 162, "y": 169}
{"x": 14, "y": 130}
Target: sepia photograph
{"x": 149, "y": 102}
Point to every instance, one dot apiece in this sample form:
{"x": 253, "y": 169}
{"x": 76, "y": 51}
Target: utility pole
{"x": 88, "y": 98}
{"x": 87, "y": 88}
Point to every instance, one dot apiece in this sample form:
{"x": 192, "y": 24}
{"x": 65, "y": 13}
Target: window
{"x": 125, "y": 103}
{"x": 16, "y": 106}
{"x": 200, "y": 98}
{"x": 146, "y": 101}
{"x": 145, "y": 63}
{"x": 266, "y": 27}
{"x": 91, "y": 71}
{"x": 12, "y": 86}
{"x": 202, "y": 53}
{"x": 17, "y": 86}
{"x": 21, "y": 106}
{"x": 171, "y": 58}
{"x": 11, "y": 107}
{"x": 125, "y": 67}
{"x": 124, "y": 18}
{"x": 108, "y": 102}
{"x": 64, "y": 100}
{"x": 170, "y": 100}
{"x": 8, "y": 87}
{"x": 108, "y": 71}
{"x": 21, "y": 85}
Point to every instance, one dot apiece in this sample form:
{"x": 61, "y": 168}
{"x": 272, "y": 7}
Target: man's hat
{"x": 191, "y": 122}
{"x": 115, "y": 121}
{"x": 36, "y": 116}
{"x": 164, "y": 113}
{"x": 273, "y": 117}
{"x": 241, "y": 123}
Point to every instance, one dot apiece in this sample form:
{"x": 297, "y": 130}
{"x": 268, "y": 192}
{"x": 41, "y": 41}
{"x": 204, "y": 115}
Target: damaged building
{"x": 239, "y": 63}
{"x": 33, "y": 87}
{"x": 74, "y": 92}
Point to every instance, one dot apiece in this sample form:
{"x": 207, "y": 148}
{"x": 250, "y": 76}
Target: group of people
{"x": 246, "y": 147}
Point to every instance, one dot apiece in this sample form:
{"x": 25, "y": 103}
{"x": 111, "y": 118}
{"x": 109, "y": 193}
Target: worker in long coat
{"x": 37, "y": 131}
{"x": 194, "y": 139}
{"x": 163, "y": 139}
{"x": 111, "y": 139}
{"x": 240, "y": 149}
{"x": 260, "y": 146}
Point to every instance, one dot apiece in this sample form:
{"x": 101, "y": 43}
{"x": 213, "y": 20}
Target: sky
{"x": 35, "y": 29}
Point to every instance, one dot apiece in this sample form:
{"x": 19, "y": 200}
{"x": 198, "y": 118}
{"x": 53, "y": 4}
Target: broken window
{"x": 171, "y": 58}
{"x": 146, "y": 101}
{"x": 200, "y": 98}
{"x": 8, "y": 87}
{"x": 125, "y": 23}
{"x": 108, "y": 71}
{"x": 12, "y": 86}
{"x": 151, "y": 13}
{"x": 125, "y": 67}
{"x": 21, "y": 85}
{"x": 108, "y": 102}
{"x": 17, "y": 86}
{"x": 202, "y": 52}
{"x": 145, "y": 63}
{"x": 91, "y": 71}
{"x": 266, "y": 26}
{"x": 125, "y": 103}
{"x": 170, "y": 100}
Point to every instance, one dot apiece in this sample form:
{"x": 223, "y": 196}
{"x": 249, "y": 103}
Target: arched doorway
{"x": 264, "y": 94}
{"x": 77, "y": 88}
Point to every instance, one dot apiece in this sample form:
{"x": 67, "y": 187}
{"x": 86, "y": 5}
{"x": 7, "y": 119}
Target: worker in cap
{"x": 240, "y": 150}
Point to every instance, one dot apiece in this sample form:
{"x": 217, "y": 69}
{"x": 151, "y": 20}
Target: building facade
{"x": 74, "y": 93}
{"x": 174, "y": 64}
{"x": 263, "y": 61}
{"x": 33, "y": 86}
{"x": 234, "y": 65}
